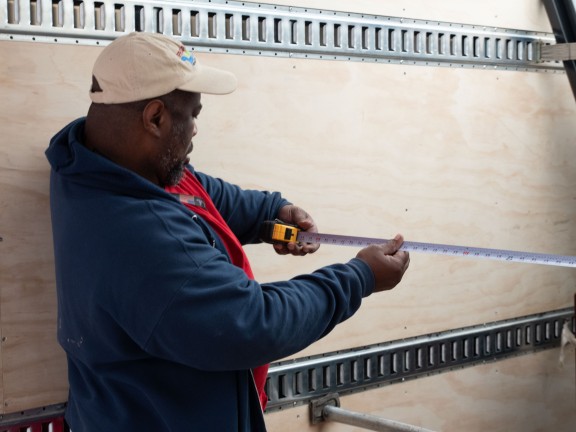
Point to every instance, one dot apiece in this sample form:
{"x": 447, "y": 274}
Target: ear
{"x": 155, "y": 117}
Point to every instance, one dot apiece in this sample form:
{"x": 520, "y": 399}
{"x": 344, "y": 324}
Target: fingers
{"x": 387, "y": 262}
{"x": 405, "y": 256}
{"x": 302, "y": 249}
{"x": 296, "y": 249}
{"x": 301, "y": 218}
{"x": 281, "y": 249}
{"x": 297, "y": 216}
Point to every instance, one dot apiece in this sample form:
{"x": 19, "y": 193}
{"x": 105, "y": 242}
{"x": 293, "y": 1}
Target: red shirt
{"x": 194, "y": 196}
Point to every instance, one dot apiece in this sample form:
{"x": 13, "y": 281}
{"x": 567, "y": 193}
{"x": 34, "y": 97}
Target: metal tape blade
{"x": 442, "y": 249}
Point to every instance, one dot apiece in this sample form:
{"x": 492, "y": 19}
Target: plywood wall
{"x": 458, "y": 156}
{"x": 525, "y": 394}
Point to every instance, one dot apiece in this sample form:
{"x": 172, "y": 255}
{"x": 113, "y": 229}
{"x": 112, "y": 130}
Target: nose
{"x": 194, "y": 130}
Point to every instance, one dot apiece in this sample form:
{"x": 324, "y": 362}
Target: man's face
{"x": 174, "y": 157}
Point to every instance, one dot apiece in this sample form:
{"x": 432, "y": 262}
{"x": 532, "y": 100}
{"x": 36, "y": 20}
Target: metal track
{"x": 279, "y": 31}
{"x": 298, "y": 382}
{"x": 46, "y": 418}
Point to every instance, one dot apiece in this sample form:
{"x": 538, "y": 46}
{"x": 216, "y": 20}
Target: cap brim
{"x": 211, "y": 81}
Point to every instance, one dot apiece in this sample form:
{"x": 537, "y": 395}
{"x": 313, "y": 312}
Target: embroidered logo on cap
{"x": 186, "y": 55}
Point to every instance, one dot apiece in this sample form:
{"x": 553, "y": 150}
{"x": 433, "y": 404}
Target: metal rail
{"x": 236, "y": 27}
{"x": 365, "y": 421}
{"x": 37, "y": 419}
{"x": 327, "y": 408}
{"x": 298, "y": 382}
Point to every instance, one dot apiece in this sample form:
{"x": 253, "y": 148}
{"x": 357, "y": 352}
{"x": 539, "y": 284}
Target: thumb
{"x": 392, "y": 246}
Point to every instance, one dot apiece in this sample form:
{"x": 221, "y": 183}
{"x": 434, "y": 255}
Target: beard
{"x": 174, "y": 174}
{"x": 171, "y": 164}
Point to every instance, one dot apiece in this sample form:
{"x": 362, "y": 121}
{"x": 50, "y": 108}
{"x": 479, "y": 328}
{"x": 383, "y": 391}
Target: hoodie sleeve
{"x": 243, "y": 210}
{"x": 213, "y": 317}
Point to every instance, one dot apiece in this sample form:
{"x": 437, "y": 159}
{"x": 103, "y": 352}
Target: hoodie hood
{"x": 70, "y": 159}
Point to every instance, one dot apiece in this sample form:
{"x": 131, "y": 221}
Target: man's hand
{"x": 387, "y": 263}
{"x": 294, "y": 215}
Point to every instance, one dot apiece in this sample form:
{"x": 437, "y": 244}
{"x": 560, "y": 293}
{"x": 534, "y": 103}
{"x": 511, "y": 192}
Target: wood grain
{"x": 527, "y": 393}
{"x": 459, "y": 156}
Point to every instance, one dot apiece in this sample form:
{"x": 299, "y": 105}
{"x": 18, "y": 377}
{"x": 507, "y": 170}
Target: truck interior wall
{"x": 447, "y": 155}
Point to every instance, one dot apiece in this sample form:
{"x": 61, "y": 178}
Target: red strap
{"x": 195, "y": 197}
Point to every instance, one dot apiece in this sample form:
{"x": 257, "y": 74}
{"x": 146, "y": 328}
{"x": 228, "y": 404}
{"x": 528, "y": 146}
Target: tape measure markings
{"x": 277, "y": 231}
{"x": 443, "y": 249}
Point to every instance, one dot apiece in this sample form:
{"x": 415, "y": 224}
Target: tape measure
{"x": 277, "y": 231}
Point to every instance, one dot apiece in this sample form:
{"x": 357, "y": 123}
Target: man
{"x": 163, "y": 325}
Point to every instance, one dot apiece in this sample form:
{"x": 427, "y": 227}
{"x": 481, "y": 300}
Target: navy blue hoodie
{"x": 159, "y": 327}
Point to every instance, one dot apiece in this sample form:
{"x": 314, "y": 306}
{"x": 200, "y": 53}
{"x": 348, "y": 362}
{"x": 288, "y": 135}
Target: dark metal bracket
{"x": 317, "y": 406}
{"x": 562, "y": 16}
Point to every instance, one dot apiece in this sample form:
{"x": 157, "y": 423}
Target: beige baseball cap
{"x": 141, "y": 66}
